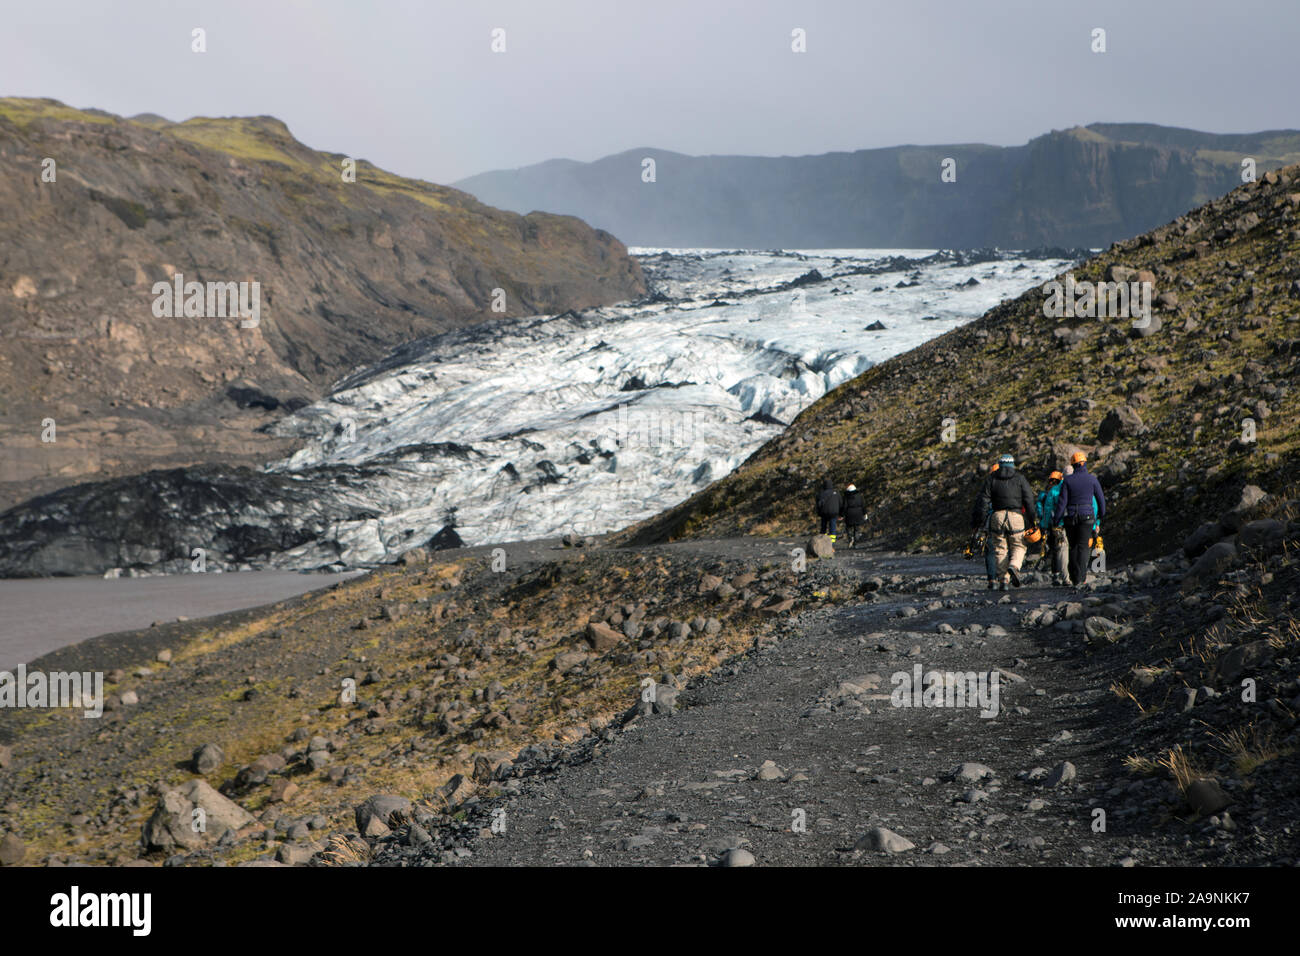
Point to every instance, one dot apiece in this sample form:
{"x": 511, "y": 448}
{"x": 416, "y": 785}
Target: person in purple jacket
{"x": 1081, "y": 504}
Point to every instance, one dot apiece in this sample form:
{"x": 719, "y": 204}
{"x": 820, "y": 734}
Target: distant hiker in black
{"x": 855, "y": 513}
{"x": 830, "y": 505}
{"x": 1082, "y": 504}
{"x": 1007, "y": 503}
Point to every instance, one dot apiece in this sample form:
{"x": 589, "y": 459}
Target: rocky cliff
{"x": 1086, "y": 186}
{"x": 98, "y": 209}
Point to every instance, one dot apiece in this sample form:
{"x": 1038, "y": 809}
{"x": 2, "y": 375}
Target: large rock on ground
{"x": 602, "y": 637}
{"x": 821, "y": 546}
{"x": 1123, "y": 421}
{"x": 1244, "y": 658}
{"x": 375, "y": 815}
{"x": 884, "y": 840}
{"x": 174, "y": 823}
{"x": 1209, "y": 532}
{"x": 207, "y": 758}
{"x": 1205, "y": 796}
{"x": 1209, "y": 565}
{"x": 12, "y": 850}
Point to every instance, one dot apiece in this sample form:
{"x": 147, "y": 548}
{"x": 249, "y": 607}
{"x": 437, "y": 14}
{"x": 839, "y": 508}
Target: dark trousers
{"x": 830, "y": 523}
{"x": 1078, "y": 533}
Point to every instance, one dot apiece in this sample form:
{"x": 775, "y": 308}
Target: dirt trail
{"x": 687, "y": 787}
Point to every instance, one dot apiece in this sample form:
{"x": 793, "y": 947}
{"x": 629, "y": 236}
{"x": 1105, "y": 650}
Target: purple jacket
{"x": 1077, "y": 491}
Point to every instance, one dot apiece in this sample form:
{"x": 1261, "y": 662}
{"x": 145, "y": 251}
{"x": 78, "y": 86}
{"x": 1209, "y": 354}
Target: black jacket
{"x": 1004, "y": 490}
{"x": 829, "y": 502}
{"x": 855, "y": 507}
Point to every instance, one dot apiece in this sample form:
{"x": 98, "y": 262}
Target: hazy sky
{"x": 414, "y": 86}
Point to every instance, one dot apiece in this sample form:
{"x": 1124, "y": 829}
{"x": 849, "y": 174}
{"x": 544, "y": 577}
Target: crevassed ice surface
{"x": 589, "y": 422}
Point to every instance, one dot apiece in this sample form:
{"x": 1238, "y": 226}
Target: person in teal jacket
{"x": 1057, "y": 544}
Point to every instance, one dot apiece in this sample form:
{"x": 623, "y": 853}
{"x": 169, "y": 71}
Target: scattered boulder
{"x": 972, "y": 773}
{"x": 821, "y": 546}
{"x": 1123, "y": 421}
{"x": 1267, "y": 533}
{"x": 207, "y": 758}
{"x": 568, "y": 660}
{"x": 1206, "y": 797}
{"x": 1207, "y": 568}
{"x": 376, "y": 815}
{"x": 12, "y": 850}
{"x": 493, "y": 765}
{"x": 1063, "y": 773}
{"x": 175, "y": 823}
{"x": 738, "y": 857}
{"x": 1243, "y": 659}
{"x": 884, "y": 840}
{"x": 602, "y": 637}
{"x": 6, "y": 757}
{"x": 1199, "y": 540}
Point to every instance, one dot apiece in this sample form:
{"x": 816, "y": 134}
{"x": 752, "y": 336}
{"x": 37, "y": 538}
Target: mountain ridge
{"x": 1082, "y": 186}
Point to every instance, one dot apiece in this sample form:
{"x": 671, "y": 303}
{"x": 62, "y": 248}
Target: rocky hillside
{"x": 1178, "y": 416}
{"x": 98, "y": 208}
{"x": 1085, "y": 186}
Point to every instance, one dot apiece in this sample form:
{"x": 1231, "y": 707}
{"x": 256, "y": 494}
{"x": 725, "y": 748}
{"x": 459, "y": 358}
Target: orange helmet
{"x": 1056, "y": 476}
{"x": 1034, "y": 535}
{"x": 1077, "y": 457}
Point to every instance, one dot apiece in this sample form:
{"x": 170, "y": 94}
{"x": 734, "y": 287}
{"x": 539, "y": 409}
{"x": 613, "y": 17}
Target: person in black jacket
{"x": 1007, "y": 503}
{"x": 855, "y": 513}
{"x": 1081, "y": 504}
{"x": 830, "y": 505}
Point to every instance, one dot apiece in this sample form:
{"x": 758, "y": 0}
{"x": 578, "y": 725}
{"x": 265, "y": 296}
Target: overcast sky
{"x": 414, "y": 86}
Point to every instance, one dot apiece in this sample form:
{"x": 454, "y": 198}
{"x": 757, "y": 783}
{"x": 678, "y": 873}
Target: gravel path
{"x": 686, "y": 788}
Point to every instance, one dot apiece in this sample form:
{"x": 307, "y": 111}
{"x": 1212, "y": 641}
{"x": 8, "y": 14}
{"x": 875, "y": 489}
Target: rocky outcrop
{"x": 346, "y": 271}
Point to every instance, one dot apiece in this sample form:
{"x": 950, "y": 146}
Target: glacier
{"x": 589, "y": 422}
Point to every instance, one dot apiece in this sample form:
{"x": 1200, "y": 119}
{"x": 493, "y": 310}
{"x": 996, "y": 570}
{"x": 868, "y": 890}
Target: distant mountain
{"x": 97, "y": 209}
{"x": 1086, "y": 186}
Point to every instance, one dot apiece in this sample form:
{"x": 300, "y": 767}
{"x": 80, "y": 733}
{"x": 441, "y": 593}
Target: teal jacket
{"x": 1047, "y": 507}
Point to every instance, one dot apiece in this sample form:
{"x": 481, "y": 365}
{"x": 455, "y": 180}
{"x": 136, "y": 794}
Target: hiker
{"x": 1008, "y": 501}
{"x": 855, "y": 513}
{"x": 1081, "y": 505}
{"x": 830, "y": 505}
{"x": 1055, "y": 544}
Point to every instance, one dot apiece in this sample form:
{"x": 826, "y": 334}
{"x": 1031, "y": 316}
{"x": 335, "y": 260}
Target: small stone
{"x": 1206, "y": 797}
{"x": 207, "y": 758}
{"x": 130, "y": 698}
{"x": 738, "y": 857}
{"x": 884, "y": 840}
{"x": 1064, "y": 772}
{"x": 972, "y": 773}
{"x": 12, "y": 850}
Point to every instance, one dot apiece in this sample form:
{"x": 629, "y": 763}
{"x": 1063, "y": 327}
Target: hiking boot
{"x": 992, "y": 584}
{"x": 1002, "y": 586}
{"x": 1015, "y": 578}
